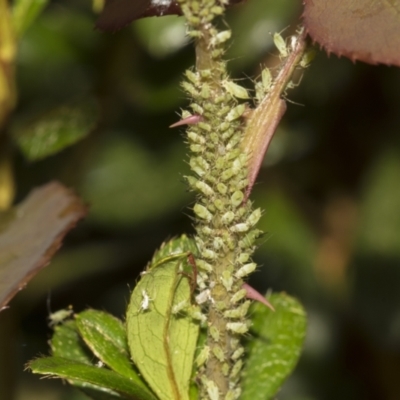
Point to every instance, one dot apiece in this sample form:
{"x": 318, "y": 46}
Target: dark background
{"x": 330, "y": 188}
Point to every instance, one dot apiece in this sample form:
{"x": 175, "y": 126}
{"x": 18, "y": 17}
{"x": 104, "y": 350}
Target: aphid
{"x": 218, "y": 243}
{"x": 199, "y": 165}
{"x": 237, "y": 327}
{"x": 238, "y": 312}
{"x": 224, "y": 111}
{"x": 233, "y": 394}
{"x": 237, "y": 353}
{"x": 177, "y": 308}
{"x": 240, "y": 228}
{"x": 239, "y": 295}
{"x": 245, "y": 270}
{"x": 237, "y": 198}
{"x": 212, "y": 390}
{"x": 204, "y": 265}
{"x": 203, "y": 356}
{"x": 236, "y": 112}
{"x": 219, "y": 204}
{"x": 249, "y": 239}
{"x": 99, "y": 364}
{"x": 266, "y": 78}
{"x": 196, "y": 108}
{"x": 192, "y": 76}
{"x": 254, "y": 217}
{"x": 236, "y": 368}
{"x": 227, "y": 174}
{"x": 204, "y": 188}
{"x": 145, "y": 303}
{"x": 60, "y": 316}
{"x": 308, "y": 56}
{"x": 202, "y": 212}
{"x": 217, "y": 53}
{"x": 214, "y": 333}
{"x": 204, "y": 126}
{"x": 209, "y": 254}
{"x": 190, "y": 89}
{"x": 196, "y": 148}
{"x": 225, "y": 370}
{"x": 205, "y": 92}
{"x": 203, "y": 296}
{"x": 222, "y": 189}
{"x": 227, "y": 280}
{"x": 221, "y": 37}
{"x": 194, "y": 137}
{"x": 224, "y": 126}
{"x": 228, "y": 217}
{"x": 281, "y": 45}
{"x": 196, "y": 314}
{"x": 205, "y": 73}
{"x": 243, "y": 257}
{"x": 218, "y": 353}
{"x": 235, "y": 90}
{"x": 234, "y": 141}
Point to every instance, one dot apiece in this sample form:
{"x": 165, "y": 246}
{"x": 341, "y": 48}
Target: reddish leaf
{"x": 119, "y": 13}
{"x": 365, "y": 30}
{"x": 32, "y": 232}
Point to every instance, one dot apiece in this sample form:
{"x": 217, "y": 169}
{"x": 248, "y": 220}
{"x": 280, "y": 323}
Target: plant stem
{"x": 222, "y": 152}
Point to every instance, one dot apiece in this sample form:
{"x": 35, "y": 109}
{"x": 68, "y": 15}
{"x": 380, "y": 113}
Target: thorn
{"x": 190, "y": 120}
{"x": 252, "y": 293}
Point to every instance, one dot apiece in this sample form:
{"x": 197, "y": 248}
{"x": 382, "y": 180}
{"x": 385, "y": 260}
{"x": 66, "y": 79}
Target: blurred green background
{"x": 330, "y": 187}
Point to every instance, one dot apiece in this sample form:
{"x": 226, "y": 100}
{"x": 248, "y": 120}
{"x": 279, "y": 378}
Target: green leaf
{"x": 174, "y": 247}
{"x": 162, "y": 344}
{"x": 105, "y": 336}
{"x": 85, "y": 376}
{"x": 66, "y": 343}
{"x": 56, "y": 130}
{"x": 275, "y": 348}
{"x": 25, "y": 12}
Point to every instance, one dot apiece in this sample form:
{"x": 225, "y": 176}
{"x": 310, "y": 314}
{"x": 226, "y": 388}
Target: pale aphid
{"x": 60, "y": 316}
{"x": 235, "y": 90}
{"x": 238, "y": 327}
{"x": 145, "y": 303}
{"x": 281, "y": 45}
{"x": 214, "y": 333}
{"x": 239, "y": 312}
{"x": 236, "y": 368}
{"x": 203, "y": 356}
{"x": 218, "y": 353}
{"x": 221, "y": 37}
{"x": 245, "y": 270}
{"x": 236, "y": 112}
{"x": 237, "y": 353}
{"x": 212, "y": 390}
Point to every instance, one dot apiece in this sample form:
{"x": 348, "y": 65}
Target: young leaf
{"x": 162, "y": 344}
{"x": 275, "y": 348}
{"x": 105, "y": 336}
{"x": 362, "y": 30}
{"x": 32, "y": 232}
{"x": 67, "y": 343}
{"x": 53, "y": 132}
{"x": 181, "y": 245}
{"x": 95, "y": 378}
